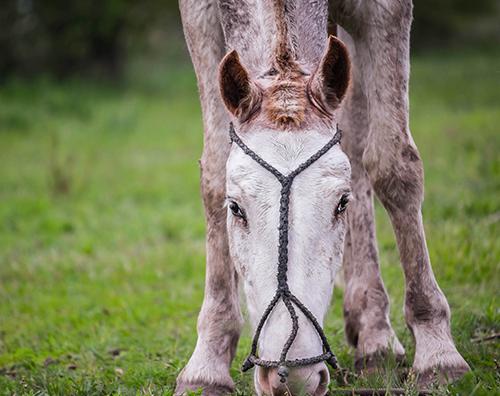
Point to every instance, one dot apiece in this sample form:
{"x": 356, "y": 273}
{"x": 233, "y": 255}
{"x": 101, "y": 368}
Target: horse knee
{"x": 396, "y": 175}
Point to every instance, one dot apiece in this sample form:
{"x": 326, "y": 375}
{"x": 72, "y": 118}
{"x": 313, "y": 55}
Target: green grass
{"x": 102, "y": 229}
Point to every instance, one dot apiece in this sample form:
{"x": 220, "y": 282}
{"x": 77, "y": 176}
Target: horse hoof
{"x": 441, "y": 375}
{"x": 182, "y": 389}
{"x": 373, "y": 363}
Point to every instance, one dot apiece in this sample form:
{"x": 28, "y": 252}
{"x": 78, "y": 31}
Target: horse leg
{"x": 219, "y": 321}
{"x": 366, "y": 304}
{"x": 395, "y": 170}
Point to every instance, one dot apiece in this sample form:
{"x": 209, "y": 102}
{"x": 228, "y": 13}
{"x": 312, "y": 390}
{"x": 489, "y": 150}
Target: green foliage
{"x": 101, "y": 282}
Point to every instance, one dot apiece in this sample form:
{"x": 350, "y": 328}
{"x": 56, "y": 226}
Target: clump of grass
{"x": 59, "y": 168}
{"x": 118, "y": 264}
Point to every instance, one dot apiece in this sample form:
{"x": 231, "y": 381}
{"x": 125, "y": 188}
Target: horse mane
{"x": 284, "y": 49}
{"x": 286, "y": 105}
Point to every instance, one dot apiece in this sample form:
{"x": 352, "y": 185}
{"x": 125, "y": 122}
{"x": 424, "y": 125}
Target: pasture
{"x": 102, "y": 229}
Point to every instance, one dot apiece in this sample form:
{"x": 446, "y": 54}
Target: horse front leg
{"x": 366, "y": 303}
{"x": 219, "y": 321}
{"x": 395, "y": 169}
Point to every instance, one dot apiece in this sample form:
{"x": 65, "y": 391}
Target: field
{"x": 102, "y": 228}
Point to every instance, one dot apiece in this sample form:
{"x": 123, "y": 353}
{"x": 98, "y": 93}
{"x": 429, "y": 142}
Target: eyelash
{"x": 342, "y": 205}
{"x": 236, "y": 210}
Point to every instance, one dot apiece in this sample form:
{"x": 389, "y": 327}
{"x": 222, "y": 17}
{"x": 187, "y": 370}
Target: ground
{"x": 102, "y": 229}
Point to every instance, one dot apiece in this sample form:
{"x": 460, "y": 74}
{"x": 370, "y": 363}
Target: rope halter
{"x": 283, "y": 293}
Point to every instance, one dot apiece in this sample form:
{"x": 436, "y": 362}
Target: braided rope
{"x": 283, "y": 293}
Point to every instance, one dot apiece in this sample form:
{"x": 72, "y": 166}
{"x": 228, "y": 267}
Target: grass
{"x": 102, "y": 230}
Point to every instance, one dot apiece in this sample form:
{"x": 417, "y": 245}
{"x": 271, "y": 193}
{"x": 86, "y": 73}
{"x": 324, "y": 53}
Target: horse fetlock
{"x": 208, "y": 367}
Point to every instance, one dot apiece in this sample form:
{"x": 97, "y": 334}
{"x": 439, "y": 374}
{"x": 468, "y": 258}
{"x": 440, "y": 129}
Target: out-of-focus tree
{"x": 65, "y": 38}
{"x": 443, "y": 23}
{"x": 62, "y": 37}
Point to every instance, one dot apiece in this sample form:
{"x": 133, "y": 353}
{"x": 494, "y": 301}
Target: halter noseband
{"x": 283, "y": 291}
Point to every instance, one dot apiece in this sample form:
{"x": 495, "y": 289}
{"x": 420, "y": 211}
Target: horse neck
{"x": 252, "y": 28}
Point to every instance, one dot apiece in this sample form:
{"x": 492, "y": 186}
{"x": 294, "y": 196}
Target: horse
{"x": 287, "y": 206}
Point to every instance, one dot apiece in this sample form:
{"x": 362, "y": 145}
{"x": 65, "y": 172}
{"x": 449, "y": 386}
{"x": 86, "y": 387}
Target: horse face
{"x": 285, "y": 115}
{"x": 317, "y": 224}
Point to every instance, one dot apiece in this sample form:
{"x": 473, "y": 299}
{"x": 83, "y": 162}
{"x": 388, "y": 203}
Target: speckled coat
{"x": 384, "y": 161}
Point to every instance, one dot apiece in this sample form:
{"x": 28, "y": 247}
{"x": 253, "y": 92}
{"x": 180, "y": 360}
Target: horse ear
{"x": 241, "y": 96}
{"x": 330, "y": 81}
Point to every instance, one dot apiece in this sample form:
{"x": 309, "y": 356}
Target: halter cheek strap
{"x": 283, "y": 293}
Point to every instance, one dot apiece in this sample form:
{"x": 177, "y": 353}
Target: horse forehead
{"x": 286, "y": 155}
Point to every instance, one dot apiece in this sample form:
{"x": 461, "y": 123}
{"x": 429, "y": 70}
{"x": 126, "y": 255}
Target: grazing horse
{"x": 268, "y": 67}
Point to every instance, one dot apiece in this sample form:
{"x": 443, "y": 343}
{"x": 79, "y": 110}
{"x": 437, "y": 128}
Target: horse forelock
{"x": 286, "y": 103}
{"x": 286, "y": 97}
{"x": 276, "y": 25}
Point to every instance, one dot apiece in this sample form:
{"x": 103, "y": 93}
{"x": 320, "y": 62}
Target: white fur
{"x": 316, "y": 235}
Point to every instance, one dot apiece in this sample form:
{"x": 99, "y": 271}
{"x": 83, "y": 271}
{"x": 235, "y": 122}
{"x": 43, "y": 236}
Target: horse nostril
{"x": 264, "y": 380}
{"x": 269, "y": 383}
{"x": 324, "y": 380}
{"x": 309, "y": 380}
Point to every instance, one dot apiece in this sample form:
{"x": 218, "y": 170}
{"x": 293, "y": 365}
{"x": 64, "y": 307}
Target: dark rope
{"x": 283, "y": 293}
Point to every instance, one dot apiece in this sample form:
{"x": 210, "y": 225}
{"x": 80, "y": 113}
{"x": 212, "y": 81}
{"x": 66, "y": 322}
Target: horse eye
{"x": 236, "y": 210}
{"x": 342, "y": 205}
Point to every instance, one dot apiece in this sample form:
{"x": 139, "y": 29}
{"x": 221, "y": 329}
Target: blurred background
{"x": 101, "y": 223}
{"x": 101, "y": 38}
